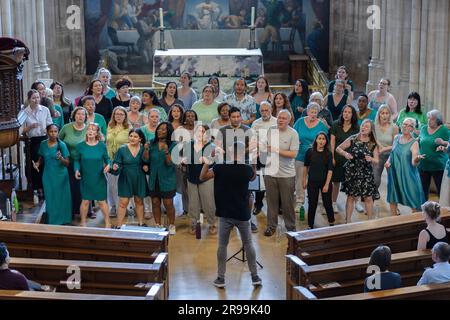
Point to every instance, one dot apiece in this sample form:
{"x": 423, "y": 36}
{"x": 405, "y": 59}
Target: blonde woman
{"x": 385, "y": 131}
{"x": 91, "y": 165}
{"x": 116, "y": 136}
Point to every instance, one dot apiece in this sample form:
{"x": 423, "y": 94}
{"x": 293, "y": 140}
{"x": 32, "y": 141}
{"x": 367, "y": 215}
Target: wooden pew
{"x": 347, "y": 277}
{"x": 357, "y": 240}
{"x": 425, "y": 292}
{"x": 74, "y": 243}
{"x": 104, "y": 278}
{"x": 153, "y": 294}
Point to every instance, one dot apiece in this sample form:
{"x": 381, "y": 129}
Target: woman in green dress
{"x": 92, "y": 117}
{"x": 129, "y": 165}
{"x": 58, "y": 201}
{"x": 72, "y": 134}
{"x": 91, "y": 165}
{"x": 404, "y": 185}
{"x": 162, "y": 182}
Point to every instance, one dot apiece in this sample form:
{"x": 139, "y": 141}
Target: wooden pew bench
{"x": 104, "y": 278}
{"x": 74, "y": 243}
{"x": 155, "y": 293}
{"x": 357, "y": 240}
{"x": 347, "y": 277}
{"x": 425, "y": 292}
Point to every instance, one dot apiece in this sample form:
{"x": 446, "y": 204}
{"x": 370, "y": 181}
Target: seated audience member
{"x": 440, "y": 272}
{"x": 382, "y": 279}
{"x": 10, "y": 279}
{"x": 435, "y": 232}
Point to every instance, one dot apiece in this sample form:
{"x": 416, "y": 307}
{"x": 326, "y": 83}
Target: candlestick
{"x": 252, "y": 23}
{"x": 161, "y": 17}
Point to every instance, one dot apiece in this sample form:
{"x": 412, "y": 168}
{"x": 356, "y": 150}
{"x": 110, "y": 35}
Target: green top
{"x": 60, "y": 120}
{"x": 90, "y": 161}
{"x": 421, "y": 118}
{"x": 72, "y": 137}
{"x": 206, "y": 114}
{"x": 296, "y": 103}
{"x": 149, "y": 135}
{"x": 434, "y": 161}
{"x": 158, "y": 168}
{"x": 110, "y": 94}
{"x": 100, "y": 120}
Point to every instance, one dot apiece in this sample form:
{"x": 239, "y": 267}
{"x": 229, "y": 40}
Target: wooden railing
{"x": 316, "y": 77}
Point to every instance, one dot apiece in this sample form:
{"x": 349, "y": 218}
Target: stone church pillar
{"x": 6, "y": 21}
{"x": 376, "y": 65}
{"x": 42, "y": 51}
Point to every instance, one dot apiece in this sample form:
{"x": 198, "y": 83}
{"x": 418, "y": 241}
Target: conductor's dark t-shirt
{"x": 231, "y": 190}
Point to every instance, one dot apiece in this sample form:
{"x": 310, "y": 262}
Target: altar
{"x": 203, "y": 39}
{"x": 227, "y": 64}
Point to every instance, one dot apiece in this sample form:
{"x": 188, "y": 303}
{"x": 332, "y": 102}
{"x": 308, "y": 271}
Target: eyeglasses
{"x": 384, "y": 83}
{"x": 407, "y": 125}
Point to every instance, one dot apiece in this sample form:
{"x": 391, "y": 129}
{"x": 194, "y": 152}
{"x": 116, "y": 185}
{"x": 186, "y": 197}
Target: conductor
{"x": 231, "y": 195}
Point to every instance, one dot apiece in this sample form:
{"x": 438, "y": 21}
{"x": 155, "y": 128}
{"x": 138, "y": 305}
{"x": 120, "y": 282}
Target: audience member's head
{"x": 432, "y": 210}
{"x": 4, "y": 256}
{"x": 381, "y": 257}
{"x": 441, "y": 252}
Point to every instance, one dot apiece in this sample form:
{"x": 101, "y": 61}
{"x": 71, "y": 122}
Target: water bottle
{"x": 302, "y": 213}
{"x": 198, "y": 231}
{"x": 8, "y": 210}
{"x": 35, "y": 198}
{"x": 14, "y": 200}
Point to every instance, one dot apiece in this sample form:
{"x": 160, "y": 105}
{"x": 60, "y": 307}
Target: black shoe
{"x": 254, "y": 227}
{"x": 256, "y": 211}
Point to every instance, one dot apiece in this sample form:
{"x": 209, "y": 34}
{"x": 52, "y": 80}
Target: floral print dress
{"x": 358, "y": 179}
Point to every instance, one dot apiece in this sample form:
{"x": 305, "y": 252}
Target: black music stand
{"x": 244, "y": 257}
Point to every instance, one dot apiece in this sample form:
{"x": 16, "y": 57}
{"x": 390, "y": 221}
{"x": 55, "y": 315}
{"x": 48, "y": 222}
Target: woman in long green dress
{"x": 404, "y": 185}
{"x": 58, "y": 200}
{"x": 91, "y": 165}
{"x": 72, "y": 134}
{"x": 131, "y": 168}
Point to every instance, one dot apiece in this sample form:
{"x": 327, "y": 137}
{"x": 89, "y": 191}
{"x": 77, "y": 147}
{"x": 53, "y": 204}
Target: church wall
{"x": 350, "y": 39}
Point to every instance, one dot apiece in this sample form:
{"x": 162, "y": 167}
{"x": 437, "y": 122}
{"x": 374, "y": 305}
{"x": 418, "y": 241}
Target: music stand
{"x": 244, "y": 257}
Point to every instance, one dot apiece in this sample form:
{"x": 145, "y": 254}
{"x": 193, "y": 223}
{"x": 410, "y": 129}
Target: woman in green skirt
{"x": 91, "y": 165}
{"x": 58, "y": 200}
{"x": 131, "y": 168}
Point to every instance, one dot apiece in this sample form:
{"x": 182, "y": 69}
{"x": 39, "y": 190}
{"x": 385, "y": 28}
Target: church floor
{"x": 192, "y": 262}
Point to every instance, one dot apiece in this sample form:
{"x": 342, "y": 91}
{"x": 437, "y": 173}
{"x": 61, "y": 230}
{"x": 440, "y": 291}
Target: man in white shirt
{"x": 283, "y": 146}
{"x": 440, "y": 272}
{"x": 261, "y": 127}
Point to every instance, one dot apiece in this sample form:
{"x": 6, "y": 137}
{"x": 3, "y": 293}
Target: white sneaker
{"x": 359, "y": 206}
{"x": 172, "y": 230}
{"x": 335, "y": 207}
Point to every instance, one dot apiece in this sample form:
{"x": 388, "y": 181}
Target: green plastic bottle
{"x": 302, "y": 213}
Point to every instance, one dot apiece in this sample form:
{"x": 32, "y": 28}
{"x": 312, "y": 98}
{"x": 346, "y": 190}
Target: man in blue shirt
{"x": 440, "y": 272}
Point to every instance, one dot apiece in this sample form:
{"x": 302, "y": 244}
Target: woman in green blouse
{"x": 91, "y": 165}
{"x": 72, "y": 134}
{"x": 162, "y": 182}
{"x": 129, "y": 165}
{"x": 413, "y": 110}
{"x": 433, "y": 165}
